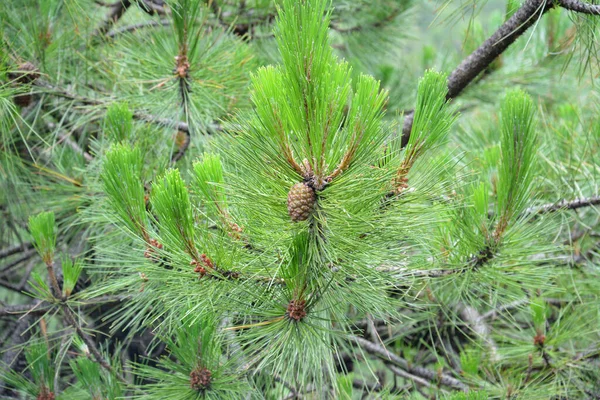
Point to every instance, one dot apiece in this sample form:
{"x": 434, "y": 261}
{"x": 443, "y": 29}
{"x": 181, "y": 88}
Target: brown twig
{"x": 9, "y": 251}
{"x": 480, "y": 59}
{"x": 132, "y": 28}
{"x": 427, "y": 374}
{"x": 73, "y": 145}
{"x": 565, "y": 205}
{"x": 377, "y": 24}
{"x": 580, "y": 7}
{"x": 71, "y": 319}
{"x": 24, "y": 257}
{"x": 477, "y": 323}
{"x": 44, "y": 307}
{"x": 118, "y": 9}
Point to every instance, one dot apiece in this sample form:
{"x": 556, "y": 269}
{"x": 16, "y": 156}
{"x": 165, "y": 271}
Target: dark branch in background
{"x": 565, "y": 205}
{"x": 424, "y": 373}
{"x": 377, "y": 24}
{"x": 73, "y": 145}
{"x": 135, "y": 27}
{"x": 44, "y": 307}
{"x": 480, "y": 59}
{"x": 118, "y": 9}
{"x": 15, "y": 249}
{"x": 72, "y": 320}
{"x": 11, "y": 354}
{"x": 240, "y": 29}
{"x": 153, "y": 7}
{"x": 580, "y": 7}
{"x": 140, "y": 116}
{"x": 27, "y": 254}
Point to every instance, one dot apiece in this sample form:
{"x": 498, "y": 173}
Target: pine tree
{"x": 253, "y": 199}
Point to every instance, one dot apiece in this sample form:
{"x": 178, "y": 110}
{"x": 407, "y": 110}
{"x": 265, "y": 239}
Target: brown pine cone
{"x": 200, "y": 379}
{"x": 301, "y": 201}
{"x": 26, "y": 73}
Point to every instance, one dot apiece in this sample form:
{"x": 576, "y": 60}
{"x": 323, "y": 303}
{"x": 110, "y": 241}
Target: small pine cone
{"x": 296, "y": 309}
{"x": 200, "y": 379}
{"x": 23, "y": 100}
{"x": 45, "y": 394}
{"x": 26, "y": 73}
{"x": 301, "y": 201}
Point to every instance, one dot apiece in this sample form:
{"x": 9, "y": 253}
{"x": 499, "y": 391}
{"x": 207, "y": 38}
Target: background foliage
{"x": 152, "y": 153}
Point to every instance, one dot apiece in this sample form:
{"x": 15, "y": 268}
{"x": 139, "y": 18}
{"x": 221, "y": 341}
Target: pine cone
{"x": 296, "y": 309}
{"x": 45, "y": 394}
{"x": 26, "y": 73}
{"x": 301, "y": 201}
{"x": 200, "y": 379}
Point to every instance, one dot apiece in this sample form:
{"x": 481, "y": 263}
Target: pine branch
{"x": 71, "y": 319}
{"x": 565, "y": 205}
{"x": 15, "y": 249}
{"x": 18, "y": 337}
{"x": 43, "y": 307}
{"x": 140, "y": 116}
{"x": 377, "y": 24}
{"x": 118, "y": 9}
{"x": 579, "y": 6}
{"x": 73, "y": 145}
{"x": 27, "y": 254}
{"x": 132, "y": 28}
{"x": 153, "y": 7}
{"x": 403, "y": 374}
{"x": 480, "y": 59}
{"x": 427, "y": 374}
{"x": 480, "y": 328}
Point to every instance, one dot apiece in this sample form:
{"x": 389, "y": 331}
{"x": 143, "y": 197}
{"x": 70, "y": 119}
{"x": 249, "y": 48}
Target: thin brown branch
{"x": 424, "y": 373}
{"x": 494, "y": 46}
{"x": 104, "y": 4}
{"x": 580, "y": 6}
{"x": 9, "y": 251}
{"x": 135, "y": 27}
{"x": 53, "y": 90}
{"x": 14, "y": 263}
{"x": 477, "y": 323}
{"x": 44, "y": 307}
{"x": 72, "y": 319}
{"x": 153, "y": 7}
{"x": 377, "y": 24}
{"x": 565, "y": 205}
{"x": 118, "y": 9}
{"x": 73, "y": 145}
{"x": 403, "y": 374}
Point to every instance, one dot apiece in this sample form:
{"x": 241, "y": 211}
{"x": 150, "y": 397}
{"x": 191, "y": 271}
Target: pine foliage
{"x": 254, "y": 199}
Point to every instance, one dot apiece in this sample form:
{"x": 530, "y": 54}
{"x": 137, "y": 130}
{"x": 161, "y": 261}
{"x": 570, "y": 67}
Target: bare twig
{"x": 73, "y": 145}
{"x": 153, "y": 7}
{"x": 403, "y": 374}
{"x": 480, "y": 59}
{"x": 580, "y": 7}
{"x": 44, "y": 307}
{"x": 118, "y": 9}
{"x": 477, "y": 323}
{"x": 103, "y": 3}
{"x": 135, "y": 27}
{"x": 9, "y": 251}
{"x": 565, "y": 205}
{"x": 427, "y": 374}
{"x": 18, "y": 337}
{"x": 72, "y": 319}
{"x": 24, "y": 257}
{"x": 377, "y": 24}
{"x": 140, "y": 116}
